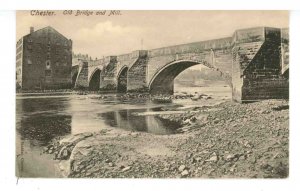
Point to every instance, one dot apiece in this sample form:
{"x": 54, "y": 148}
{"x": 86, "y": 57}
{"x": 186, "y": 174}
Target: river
{"x": 42, "y": 117}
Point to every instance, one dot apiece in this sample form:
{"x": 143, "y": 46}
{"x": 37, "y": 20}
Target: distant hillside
{"x": 205, "y": 74}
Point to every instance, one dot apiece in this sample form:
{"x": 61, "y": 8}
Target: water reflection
{"x": 40, "y": 120}
{"x": 44, "y": 128}
{"x": 42, "y": 117}
{"x": 127, "y": 119}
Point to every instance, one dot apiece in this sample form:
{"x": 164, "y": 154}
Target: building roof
{"x": 46, "y": 28}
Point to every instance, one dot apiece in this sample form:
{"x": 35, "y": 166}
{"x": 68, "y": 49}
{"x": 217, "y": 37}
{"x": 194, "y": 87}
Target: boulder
{"x": 181, "y": 168}
{"x": 126, "y": 168}
{"x": 184, "y": 173}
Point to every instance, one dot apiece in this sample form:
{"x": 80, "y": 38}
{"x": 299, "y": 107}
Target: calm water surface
{"x": 42, "y": 117}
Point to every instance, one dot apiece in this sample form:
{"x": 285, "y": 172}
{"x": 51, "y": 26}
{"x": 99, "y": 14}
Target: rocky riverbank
{"x": 228, "y": 140}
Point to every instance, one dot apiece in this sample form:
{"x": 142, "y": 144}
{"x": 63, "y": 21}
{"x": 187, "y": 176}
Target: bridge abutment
{"x": 257, "y": 65}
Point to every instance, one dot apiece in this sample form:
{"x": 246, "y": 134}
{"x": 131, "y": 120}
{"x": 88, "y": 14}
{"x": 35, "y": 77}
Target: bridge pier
{"x": 256, "y": 66}
{"x": 108, "y": 79}
{"x": 82, "y": 78}
{"x": 137, "y": 74}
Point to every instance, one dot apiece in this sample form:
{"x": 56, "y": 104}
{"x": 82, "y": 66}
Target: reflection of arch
{"x": 163, "y": 81}
{"x": 122, "y": 79}
{"x": 94, "y": 83}
{"x": 74, "y": 78}
{"x": 125, "y": 119}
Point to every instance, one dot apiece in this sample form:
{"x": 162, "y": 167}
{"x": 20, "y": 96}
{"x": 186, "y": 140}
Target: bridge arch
{"x": 122, "y": 79}
{"x": 94, "y": 82}
{"x": 162, "y": 81}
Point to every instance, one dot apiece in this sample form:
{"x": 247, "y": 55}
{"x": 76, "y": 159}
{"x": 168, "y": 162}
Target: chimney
{"x": 31, "y": 30}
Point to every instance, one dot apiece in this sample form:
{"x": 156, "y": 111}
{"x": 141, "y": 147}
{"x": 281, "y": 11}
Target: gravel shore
{"x": 229, "y": 140}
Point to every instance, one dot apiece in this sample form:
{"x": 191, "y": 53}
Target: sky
{"x": 103, "y": 35}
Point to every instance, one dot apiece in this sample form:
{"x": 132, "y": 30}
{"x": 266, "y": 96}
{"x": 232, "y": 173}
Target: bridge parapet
{"x": 197, "y": 47}
{"x": 248, "y": 35}
{"x": 257, "y": 34}
{"x": 98, "y": 62}
{"x": 109, "y": 59}
{"x": 134, "y": 55}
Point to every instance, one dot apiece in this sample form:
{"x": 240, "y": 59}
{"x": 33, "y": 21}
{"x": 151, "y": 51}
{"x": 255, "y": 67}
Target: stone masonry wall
{"x": 137, "y": 76}
{"x": 47, "y": 60}
{"x": 262, "y": 78}
{"x": 242, "y": 56}
{"x": 108, "y": 80}
{"x": 82, "y": 79}
{"x": 246, "y": 44}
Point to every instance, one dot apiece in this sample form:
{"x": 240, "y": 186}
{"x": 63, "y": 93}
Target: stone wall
{"x": 137, "y": 75}
{"x": 259, "y": 64}
{"x": 108, "y": 80}
{"x": 82, "y": 79}
{"x": 265, "y": 88}
{"x": 223, "y": 60}
{"x": 243, "y": 53}
{"x": 47, "y": 60}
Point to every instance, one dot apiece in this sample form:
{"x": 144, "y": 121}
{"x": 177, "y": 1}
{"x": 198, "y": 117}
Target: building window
{"x": 48, "y": 64}
{"x": 47, "y": 73}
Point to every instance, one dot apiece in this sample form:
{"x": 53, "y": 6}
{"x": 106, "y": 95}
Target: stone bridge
{"x": 253, "y": 61}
